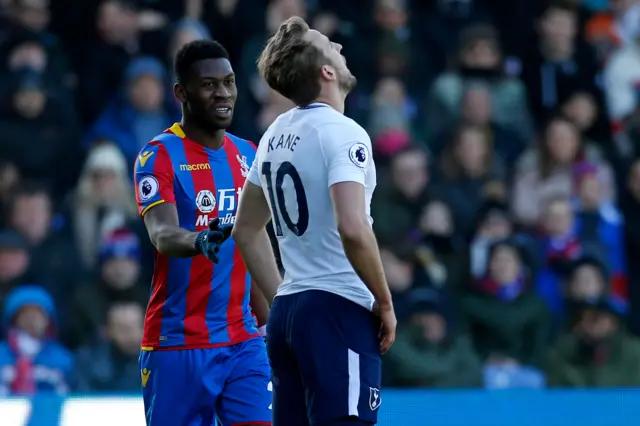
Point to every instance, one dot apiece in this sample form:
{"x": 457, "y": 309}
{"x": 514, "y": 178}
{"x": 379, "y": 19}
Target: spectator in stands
{"x": 391, "y": 109}
{"x": 548, "y": 170}
{"x": 103, "y": 201}
{"x": 14, "y": 262}
{"x": 399, "y": 267}
{"x": 118, "y": 280}
{"x": 624, "y": 24}
{"x": 102, "y": 72}
{"x": 599, "y": 223}
{"x": 183, "y": 32}
{"x": 439, "y": 249}
{"x": 9, "y": 177}
{"x": 401, "y": 196}
{"x": 556, "y": 65}
{"x": 139, "y": 112}
{"x": 479, "y": 58}
{"x": 588, "y": 281}
{"x": 394, "y": 43}
{"x": 627, "y": 140}
{"x": 598, "y": 352}
{"x": 476, "y": 109}
{"x": 504, "y": 292}
{"x": 494, "y": 224}
{"x": 621, "y": 76}
{"x": 31, "y": 358}
{"x": 429, "y": 351}
{"x": 582, "y": 110}
{"x": 630, "y": 205}
{"x": 30, "y": 26}
{"x": 261, "y": 105}
{"x": 38, "y": 115}
{"x": 55, "y": 263}
{"x": 468, "y": 174}
{"x": 559, "y": 246}
{"x": 111, "y": 365}
{"x": 31, "y": 15}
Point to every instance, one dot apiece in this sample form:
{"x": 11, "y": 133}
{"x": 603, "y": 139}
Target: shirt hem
{"x": 150, "y": 348}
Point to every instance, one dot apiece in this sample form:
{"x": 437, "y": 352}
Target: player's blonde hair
{"x": 290, "y": 64}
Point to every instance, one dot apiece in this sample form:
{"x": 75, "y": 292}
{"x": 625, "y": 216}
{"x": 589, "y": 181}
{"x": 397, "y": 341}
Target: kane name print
{"x": 283, "y": 142}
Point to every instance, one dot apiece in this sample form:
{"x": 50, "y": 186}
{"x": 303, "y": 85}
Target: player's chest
{"x": 209, "y": 188}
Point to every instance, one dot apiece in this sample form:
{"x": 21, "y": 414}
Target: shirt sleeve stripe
{"x": 144, "y": 211}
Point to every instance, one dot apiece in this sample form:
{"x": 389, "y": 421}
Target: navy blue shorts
{"x": 325, "y": 359}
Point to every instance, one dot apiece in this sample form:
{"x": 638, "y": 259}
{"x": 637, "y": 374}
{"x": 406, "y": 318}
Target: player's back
{"x": 302, "y": 154}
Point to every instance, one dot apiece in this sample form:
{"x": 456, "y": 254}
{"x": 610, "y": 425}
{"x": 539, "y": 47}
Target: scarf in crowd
{"x": 563, "y": 248}
{"x": 505, "y": 292}
{"x": 25, "y": 348}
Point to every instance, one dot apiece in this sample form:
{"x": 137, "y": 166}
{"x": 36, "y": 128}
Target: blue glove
{"x": 208, "y": 242}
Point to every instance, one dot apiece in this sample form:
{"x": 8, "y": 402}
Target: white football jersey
{"x": 303, "y": 153}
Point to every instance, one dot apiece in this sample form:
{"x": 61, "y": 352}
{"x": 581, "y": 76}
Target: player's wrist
{"x": 385, "y": 305}
{"x": 199, "y": 242}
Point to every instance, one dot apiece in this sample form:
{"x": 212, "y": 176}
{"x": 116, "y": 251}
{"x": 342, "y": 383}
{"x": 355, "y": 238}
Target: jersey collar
{"x": 315, "y": 105}
{"x": 177, "y": 130}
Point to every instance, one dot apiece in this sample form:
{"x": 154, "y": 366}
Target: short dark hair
{"x": 290, "y": 64}
{"x": 195, "y": 51}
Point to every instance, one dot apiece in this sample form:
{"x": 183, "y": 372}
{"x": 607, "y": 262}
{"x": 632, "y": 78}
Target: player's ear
{"x": 328, "y": 72}
{"x": 180, "y": 92}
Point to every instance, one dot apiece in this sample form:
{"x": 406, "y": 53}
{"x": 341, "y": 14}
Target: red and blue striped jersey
{"x": 195, "y": 303}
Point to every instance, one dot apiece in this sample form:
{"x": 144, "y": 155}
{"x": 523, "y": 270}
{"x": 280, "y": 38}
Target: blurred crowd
{"x": 507, "y": 139}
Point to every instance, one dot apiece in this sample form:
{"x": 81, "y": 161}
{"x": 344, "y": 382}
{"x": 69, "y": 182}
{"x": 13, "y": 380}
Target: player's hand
{"x": 208, "y": 242}
{"x": 388, "y": 325}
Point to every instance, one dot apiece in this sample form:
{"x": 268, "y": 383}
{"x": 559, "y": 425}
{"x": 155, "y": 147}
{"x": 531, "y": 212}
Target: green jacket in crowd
{"x": 517, "y": 328}
{"x": 614, "y": 363}
{"x": 412, "y": 361}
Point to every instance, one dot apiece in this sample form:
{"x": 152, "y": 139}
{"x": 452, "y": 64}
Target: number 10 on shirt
{"x": 278, "y": 202}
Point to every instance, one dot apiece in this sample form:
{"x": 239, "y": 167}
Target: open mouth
{"x": 223, "y": 112}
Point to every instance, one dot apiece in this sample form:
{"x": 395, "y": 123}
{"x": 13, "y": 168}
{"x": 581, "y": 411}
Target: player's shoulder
{"x": 338, "y": 128}
{"x": 158, "y": 149}
{"x": 167, "y": 140}
{"x": 243, "y": 145}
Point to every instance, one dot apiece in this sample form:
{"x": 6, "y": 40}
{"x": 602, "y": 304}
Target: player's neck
{"x": 212, "y": 139}
{"x": 335, "y": 102}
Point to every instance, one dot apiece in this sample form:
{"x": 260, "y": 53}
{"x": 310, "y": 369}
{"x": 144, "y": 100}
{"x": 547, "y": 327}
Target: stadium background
{"x": 506, "y": 136}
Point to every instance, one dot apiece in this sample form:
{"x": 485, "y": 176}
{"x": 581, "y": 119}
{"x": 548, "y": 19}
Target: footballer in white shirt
{"x": 314, "y": 177}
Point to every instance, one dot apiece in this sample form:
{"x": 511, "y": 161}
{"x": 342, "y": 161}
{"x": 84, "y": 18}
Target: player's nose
{"x": 222, "y": 93}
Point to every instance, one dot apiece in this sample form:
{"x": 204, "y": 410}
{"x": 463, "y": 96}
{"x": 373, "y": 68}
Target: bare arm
{"x": 165, "y": 233}
{"x": 359, "y": 243}
{"x": 259, "y": 304}
{"x": 250, "y": 235}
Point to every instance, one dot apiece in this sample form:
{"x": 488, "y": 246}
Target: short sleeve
{"x": 254, "y": 173}
{"x": 347, "y": 153}
{"x": 153, "y": 174}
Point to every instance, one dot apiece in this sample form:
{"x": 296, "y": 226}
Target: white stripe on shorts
{"x": 354, "y": 382}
